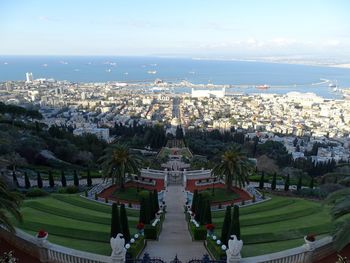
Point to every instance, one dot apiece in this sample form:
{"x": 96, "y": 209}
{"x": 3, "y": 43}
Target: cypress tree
{"x": 194, "y": 201}
{"x": 14, "y": 178}
{"x": 39, "y": 180}
{"x": 76, "y": 179}
{"x": 207, "y": 219}
{"x": 63, "y": 179}
{"x": 124, "y": 223}
{"x": 88, "y": 179}
{"x": 261, "y": 183}
{"x": 151, "y": 205}
{"x": 273, "y": 183}
{"x": 115, "y": 222}
{"x": 286, "y": 183}
{"x": 148, "y": 210}
{"x": 155, "y": 200}
{"x": 235, "y": 228}
{"x": 142, "y": 217}
{"x": 312, "y": 183}
{"x": 203, "y": 212}
{"x": 198, "y": 208}
{"x": 299, "y": 183}
{"x": 226, "y": 225}
{"x": 51, "y": 180}
{"x": 26, "y": 180}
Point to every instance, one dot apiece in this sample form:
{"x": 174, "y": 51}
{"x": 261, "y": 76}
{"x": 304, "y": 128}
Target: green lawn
{"x": 129, "y": 194}
{"x": 72, "y": 221}
{"x": 220, "y": 195}
{"x": 278, "y": 224}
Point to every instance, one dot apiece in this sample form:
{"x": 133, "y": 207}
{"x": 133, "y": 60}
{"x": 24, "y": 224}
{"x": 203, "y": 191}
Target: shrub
{"x": 254, "y": 199}
{"x": 130, "y": 205}
{"x": 235, "y": 228}
{"x": 216, "y": 250}
{"x": 226, "y": 225}
{"x": 199, "y": 233}
{"x": 106, "y": 200}
{"x": 299, "y": 183}
{"x": 36, "y": 192}
{"x": 76, "y": 178}
{"x": 261, "y": 183}
{"x": 151, "y": 232}
{"x": 86, "y": 193}
{"x": 286, "y": 183}
{"x": 273, "y": 183}
{"x": 243, "y": 202}
{"x": 96, "y": 196}
{"x": 72, "y": 189}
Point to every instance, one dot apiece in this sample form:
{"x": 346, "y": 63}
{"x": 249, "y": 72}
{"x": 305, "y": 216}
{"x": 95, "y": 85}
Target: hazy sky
{"x": 181, "y": 27}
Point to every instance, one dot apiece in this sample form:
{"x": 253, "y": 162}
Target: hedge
{"x": 136, "y": 248}
{"x": 198, "y": 233}
{"x": 152, "y": 232}
{"x": 215, "y": 250}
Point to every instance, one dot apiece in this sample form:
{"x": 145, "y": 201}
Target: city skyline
{"x": 196, "y": 28}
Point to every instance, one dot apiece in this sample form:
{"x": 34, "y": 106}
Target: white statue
{"x": 234, "y": 250}
{"x": 118, "y": 249}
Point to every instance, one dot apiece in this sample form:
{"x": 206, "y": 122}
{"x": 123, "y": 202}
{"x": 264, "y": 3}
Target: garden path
{"x": 175, "y": 238}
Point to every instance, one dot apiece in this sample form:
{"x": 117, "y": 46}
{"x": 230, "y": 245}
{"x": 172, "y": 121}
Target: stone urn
{"x": 309, "y": 242}
{"x": 41, "y": 237}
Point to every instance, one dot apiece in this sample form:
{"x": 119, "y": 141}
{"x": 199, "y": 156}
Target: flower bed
{"x": 215, "y": 249}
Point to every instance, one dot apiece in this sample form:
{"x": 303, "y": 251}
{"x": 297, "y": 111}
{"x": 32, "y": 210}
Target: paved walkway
{"x": 175, "y": 238}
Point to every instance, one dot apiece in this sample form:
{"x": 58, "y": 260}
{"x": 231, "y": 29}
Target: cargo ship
{"x": 263, "y": 87}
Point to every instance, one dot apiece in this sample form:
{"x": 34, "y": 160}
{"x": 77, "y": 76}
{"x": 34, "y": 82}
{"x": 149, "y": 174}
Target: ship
{"x": 263, "y": 87}
{"x": 152, "y": 72}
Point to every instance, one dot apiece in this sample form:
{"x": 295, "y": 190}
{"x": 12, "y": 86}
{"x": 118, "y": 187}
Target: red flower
{"x": 210, "y": 227}
{"x": 42, "y": 233}
{"x": 140, "y": 226}
{"x": 311, "y": 237}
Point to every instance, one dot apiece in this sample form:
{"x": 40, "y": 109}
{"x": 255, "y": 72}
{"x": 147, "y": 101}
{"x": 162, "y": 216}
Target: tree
{"x": 51, "y": 180}
{"x": 88, "y": 179}
{"x": 226, "y": 225}
{"x": 39, "y": 180}
{"x": 199, "y": 209}
{"x": 262, "y": 181}
{"x": 124, "y": 223}
{"x": 26, "y": 181}
{"x": 194, "y": 201}
{"x": 312, "y": 183}
{"x": 235, "y": 228}
{"x": 63, "y": 179}
{"x": 9, "y": 204}
{"x": 299, "y": 185}
{"x": 234, "y": 167}
{"x": 115, "y": 222}
{"x": 341, "y": 207}
{"x": 207, "y": 218}
{"x": 145, "y": 213}
{"x": 117, "y": 161}
{"x": 76, "y": 178}
{"x": 273, "y": 183}
{"x": 155, "y": 201}
{"x": 286, "y": 183}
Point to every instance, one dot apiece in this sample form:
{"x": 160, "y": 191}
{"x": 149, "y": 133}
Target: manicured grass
{"x": 278, "y": 224}
{"x": 220, "y": 195}
{"x": 129, "y": 194}
{"x": 72, "y": 221}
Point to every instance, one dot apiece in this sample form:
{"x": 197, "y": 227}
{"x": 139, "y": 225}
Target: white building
{"x": 29, "y": 77}
{"x": 209, "y": 93}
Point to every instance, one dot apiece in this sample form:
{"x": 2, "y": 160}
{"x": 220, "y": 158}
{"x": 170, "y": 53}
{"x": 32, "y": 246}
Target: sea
{"x": 244, "y": 76}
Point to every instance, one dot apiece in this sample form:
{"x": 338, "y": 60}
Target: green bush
{"x": 36, "y": 192}
{"x": 71, "y": 189}
{"x": 198, "y": 233}
{"x": 215, "y": 249}
{"x": 136, "y": 248}
{"x": 150, "y": 232}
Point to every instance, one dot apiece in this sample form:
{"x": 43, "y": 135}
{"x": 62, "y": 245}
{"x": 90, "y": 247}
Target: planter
{"x": 310, "y": 245}
{"x": 42, "y": 241}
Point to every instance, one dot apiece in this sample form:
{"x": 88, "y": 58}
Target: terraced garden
{"x": 278, "y": 224}
{"x": 74, "y": 222}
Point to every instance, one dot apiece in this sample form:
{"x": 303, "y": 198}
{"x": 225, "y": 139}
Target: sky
{"x": 245, "y": 28}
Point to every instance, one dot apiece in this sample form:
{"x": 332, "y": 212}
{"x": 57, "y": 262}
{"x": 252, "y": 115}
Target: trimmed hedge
{"x": 136, "y": 248}
{"x": 198, "y": 233}
{"x": 215, "y": 250}
{"x": 36, "y": 192}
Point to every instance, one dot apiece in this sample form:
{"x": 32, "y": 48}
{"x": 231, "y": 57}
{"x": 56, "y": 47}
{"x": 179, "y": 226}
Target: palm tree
{"x": 9, "y": 204}
{"x": 234, "y": 167}
{"x": 340, "y": 212}
{"x": 117, "y": 161}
